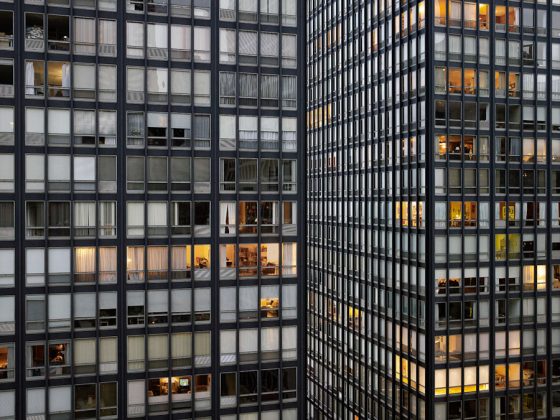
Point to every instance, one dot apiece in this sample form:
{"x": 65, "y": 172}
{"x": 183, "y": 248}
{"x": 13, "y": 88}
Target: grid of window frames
{"x": 149, "y": 208}
{"x": 433, "y": 235}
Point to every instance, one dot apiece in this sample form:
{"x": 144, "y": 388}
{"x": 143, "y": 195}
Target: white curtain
{"x": 135, "y": 258}
{"x": 269, "y": 86}
{"x": 201, "y": 300}
{"x": 59, "y": 306}
{"x": 157, "y": 80}
{"x": 135, "y": 214}
{"x": 59, "y": 121}
{"x": 157, "y": 301}
{"x": 202, "y": 341}
{"x": 201, "y": 39}
{"x": 107, "y": 213}
{"x": 248, "y": 85}
{"x": 84, "y": 31}
{"x": 7, "y": 303}
{"x": 60, "y": 399}
{"x": 108, "y": 300}
{"x": 248, "y": 298}
{"x": 135, "y": 79}
{"x": 66, "y": 75}
{"x": 157, "y": 258}
{"x": 181, "y": 345}
{"x": 227, "y": 213}
{"x": 84, "y": 214}
{"x": 289, "y": 338}
{"x": 227, "y": 45}
{"x": 289, "y": 87}
{"x": 157, "y": 214}
{"x": 289, "y": 46}
{"x": 135, "y": 35}
{"x": 202, "y": 83}
{"x": 59, "y": 260}
{"x": 108, "y": 32}
{"x": 107, "y": 122}
{"x": 34, "y": 120}
{"x": 157, "y": 347}
{"x": 84, "y": 168}
{"x": 180, "y": 37}
{"x": 107, "y": 77}
{"x": 84, "y": 259}
{"x": 289, "y": 254}
{"x": 180, "y": 82}
{"x": 270, "y": 339}
{"x": 107, "y": 259}
{"x": 84, "y": 305}
{"x": 179, "y": 257}
{"x": 269, "y": 128}
{"x": 269, "y": 44}
{"x": 107, "y": 350}
{"x": 157, "y": 35}
{"x": 84, "y": 76}
{"x": 228, "y": 341}
{"x": 247, "y": 42}
{"x": 84, "y": 122}
{"x": 135, "y": 350}
{"x": 248, "y": 340}
{"x": 29, "y": 78}
{"x": 227, "y": 127}
{"x": 181, "y": 300}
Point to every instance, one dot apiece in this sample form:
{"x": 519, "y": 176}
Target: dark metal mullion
{"x": 20, "y": 371}
{"x": 549, "y": 315}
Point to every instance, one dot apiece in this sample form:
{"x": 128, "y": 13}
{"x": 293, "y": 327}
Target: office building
{"x": 433, "y": 209}
{"x": 150, "y": 209}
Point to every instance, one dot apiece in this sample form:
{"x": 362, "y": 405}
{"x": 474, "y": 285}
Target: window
{"x": 202, "y": 88}
{"x": 201, "y": 175}
{"x": 107, "y": 84}
{"x": 59, "y": 219}
{"x": 157, "y": 41}
{"x": 180, "y": 42}
{"x": 59, "y": 127}
{"x": 135, "y": 174}
{"x": 269, "y": 90}
{"x": 7, "y": 125}
{"x": 201, "y": 44}
{"x": 227, "y": 175}
{"x": 227, "y": 45}
{"x": 227, "y": 88}
{"x": 269, "y": 175}
{"x": 248, "y": 175}
{"x": 84, "y": 81}
{"x": 135, "y": 84}
{"x": 180, "y": 86}
{"x": 7, "y": 270}
{"x": 228, "y": 132}
{"x": 180, "y": 174}
{"x": 247, "y": 47}
{"x": 135, "y": 219}
{"x": 201, "y": 131}
{"x": 289, "y": 92}
{"x": 7, "y": 77}
{"x": 157, "y": 218}
{"x": 269, "y": 11}
{"x": 248, "y": 132}
{"x": 84, "y": 173}
{"x": 269, "y": 48}
{"x": 289, "y": 12}
{"x": 135, "y": 39}
{"x": 157, "y": 85}
{"x": 289, "y": 51}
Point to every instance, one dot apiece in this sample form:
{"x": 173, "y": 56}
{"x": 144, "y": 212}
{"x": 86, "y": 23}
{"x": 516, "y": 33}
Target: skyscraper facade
{"x": 151, "y": 209}
{"x": 433, "y": 209}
